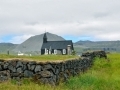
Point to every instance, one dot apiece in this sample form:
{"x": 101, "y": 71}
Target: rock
{"x": 1, "y": 61}
{"x": 54, "y": 78}
{"x": 4, "y": 75}
{"x": 57, "y": 71}
{"x": 37, "y": 68}
{"x": 32, "y": 63}
{"x": 25, "y": 62}
{"x": 28, "y": 66}
{"x": 24, "y": 67}
{"x": 11, "y": 68}
{"x": 62, "y": 67}
{"x": 31, "y": 67}
{"x": 19, "y": 70}
{"x": 5, "y": 65}
{"x": 14, "y": 75}
{"x": 13, "y": 62}
{"x": 1, "y": 68}
{"x": 28, "y": 73}
{"x": 48, "y": 67}
{"x": 19, "y": 64}
{"x": 46, "y": 74}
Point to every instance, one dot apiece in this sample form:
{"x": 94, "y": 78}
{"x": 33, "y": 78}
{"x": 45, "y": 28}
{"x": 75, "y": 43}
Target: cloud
{"x": 110, "y": 36}
{"x": 77, "y": 18}
{"x": 19, "y": 39}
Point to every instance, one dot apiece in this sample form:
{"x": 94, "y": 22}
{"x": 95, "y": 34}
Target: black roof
{"x": 57, "y": 44}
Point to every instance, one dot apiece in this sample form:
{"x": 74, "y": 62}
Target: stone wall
{"x": 46, "y": 72}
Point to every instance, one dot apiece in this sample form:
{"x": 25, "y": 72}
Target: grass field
{"x": 103, "y": 75}
{"x": 38, "y": 57}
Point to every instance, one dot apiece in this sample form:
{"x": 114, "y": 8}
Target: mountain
{"x": 112, "y": 46}
{"x": 4, "y": 47}
{"x": 101, "y": 44}
{"x": 34, "y": 43}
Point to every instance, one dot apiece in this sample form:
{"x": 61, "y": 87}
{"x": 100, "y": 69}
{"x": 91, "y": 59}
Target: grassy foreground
{"x": 104, "y": 75}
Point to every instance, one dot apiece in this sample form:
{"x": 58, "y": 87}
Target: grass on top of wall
{"x": 38, "y": 57}
{"x": 103, "y": 75}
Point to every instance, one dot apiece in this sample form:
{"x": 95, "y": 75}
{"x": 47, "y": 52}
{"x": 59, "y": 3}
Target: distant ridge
{"x": 110, "y": 45}
{"x": 34, "y": 43}
{"x": 99, "y": 43}
{"x": 4, "y": 47}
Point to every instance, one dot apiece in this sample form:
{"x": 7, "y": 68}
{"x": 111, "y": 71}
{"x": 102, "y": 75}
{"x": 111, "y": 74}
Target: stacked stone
{"x": 46, "y": 72}
{"x": 100, "y": 54}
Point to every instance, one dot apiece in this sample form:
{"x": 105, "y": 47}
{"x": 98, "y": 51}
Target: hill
{"x": 4, "y": 47}
{"x": 34, "y": 43}
{"x": 113, "y": 46}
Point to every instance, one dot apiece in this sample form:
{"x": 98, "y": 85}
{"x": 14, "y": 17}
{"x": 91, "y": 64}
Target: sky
{"x": 95, "y": 20}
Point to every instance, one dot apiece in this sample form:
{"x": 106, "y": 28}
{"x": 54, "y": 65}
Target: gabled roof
{"x": 57, "y": 44}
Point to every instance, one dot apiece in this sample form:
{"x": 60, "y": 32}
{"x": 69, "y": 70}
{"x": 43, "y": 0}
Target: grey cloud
{"x": 63, "y": 17}
{"x": 100, "y": 15}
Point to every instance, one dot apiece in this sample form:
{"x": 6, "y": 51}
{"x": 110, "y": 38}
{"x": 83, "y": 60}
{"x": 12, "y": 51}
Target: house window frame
{"x": 55, "y": 51}
{"x": 64, "y": 51}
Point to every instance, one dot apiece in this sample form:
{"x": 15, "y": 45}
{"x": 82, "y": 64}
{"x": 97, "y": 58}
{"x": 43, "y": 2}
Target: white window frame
{"x": 55, "y": 51}
{"x": 64, "y": 51}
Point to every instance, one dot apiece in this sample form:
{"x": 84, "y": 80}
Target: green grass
{"x": 103, "y": 75}
{"x": 39, "y": 58}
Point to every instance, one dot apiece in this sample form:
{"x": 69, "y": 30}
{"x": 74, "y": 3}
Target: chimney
{"x": 69, "y": 49}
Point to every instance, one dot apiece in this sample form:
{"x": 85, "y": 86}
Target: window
{"x": 46, "y": 51}
{"x": 64, "y": 51}
{"x": 55, "y": 51}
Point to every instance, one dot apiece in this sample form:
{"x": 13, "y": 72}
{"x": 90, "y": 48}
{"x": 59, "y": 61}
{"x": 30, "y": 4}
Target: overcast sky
{"x": 73, "y": 19}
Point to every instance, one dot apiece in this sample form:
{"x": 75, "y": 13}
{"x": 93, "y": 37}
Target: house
{"x": 56, "y": 47}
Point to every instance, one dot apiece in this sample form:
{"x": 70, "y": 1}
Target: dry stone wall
{"x": 46, "y": 72}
